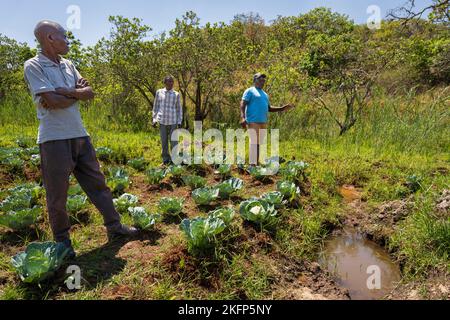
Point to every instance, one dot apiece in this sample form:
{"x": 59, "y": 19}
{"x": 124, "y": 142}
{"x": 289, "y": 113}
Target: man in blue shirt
{"x": 255, "y": 106}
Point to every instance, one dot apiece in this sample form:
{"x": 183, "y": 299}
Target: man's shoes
{"x": 122, "y": 231}
{"x": 71, "y": 254}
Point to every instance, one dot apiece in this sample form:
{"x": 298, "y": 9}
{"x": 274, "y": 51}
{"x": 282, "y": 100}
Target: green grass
{"x": 378, "y": 155}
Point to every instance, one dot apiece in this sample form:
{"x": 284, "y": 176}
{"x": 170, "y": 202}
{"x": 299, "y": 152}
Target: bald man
{"x": 65, "y": 146}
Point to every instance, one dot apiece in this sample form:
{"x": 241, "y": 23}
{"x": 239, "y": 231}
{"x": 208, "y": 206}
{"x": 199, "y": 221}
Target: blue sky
{"x": 19, "y": 17}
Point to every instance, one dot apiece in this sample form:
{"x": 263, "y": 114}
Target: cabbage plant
{"x": 228, "y": 187}
{"x": 204, "y": 196}
{"x": 39, "y": 261}
{"x": 142, "y": 219}
{"x": 258, "y": 211}
{"x": 201, "y": 232}
{"x": 124, "y": 202}
{"x": 171, "y": 206}
{"x": 194, "y": 182}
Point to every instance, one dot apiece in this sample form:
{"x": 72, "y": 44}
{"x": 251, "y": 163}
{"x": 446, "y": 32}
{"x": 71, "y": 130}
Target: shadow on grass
{"x": 170, "y": 219}
{"x": 17, "y": 238}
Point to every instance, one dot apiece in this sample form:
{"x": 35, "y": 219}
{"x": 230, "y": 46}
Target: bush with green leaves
{"x": 142, "y": 219}
{"x": 204, "y": 196}
{"x": 117, "y": 180}
{"x": 225, "y": 214}
{"x": 259, "y": 212}
{"x": 155, "y": 175}
{"x": 201, "y": 233}
{"x": 228, "y": 187}
{"x": 274, "y": 198}
{"x": 104, "y": 154}
{"x": 124, "y": 202}
{"x": 194, "y": 182}
{"x": 21, "y": 218}
{"x": 138, "y": 164}
{"x": 171, "y": 205}
{"x": 289, "y": 190}
{"x": 76, "y": 204}
{"x": 39, "y": 261}
{"x": 224, "y": 170}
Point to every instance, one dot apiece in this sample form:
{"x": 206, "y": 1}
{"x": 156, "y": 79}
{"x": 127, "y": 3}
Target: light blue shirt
{"x": 257, "y": 105}
{"x": 43, "y": 75}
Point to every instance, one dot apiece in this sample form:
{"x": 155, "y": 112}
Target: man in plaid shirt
{"x": 167, "y": 111}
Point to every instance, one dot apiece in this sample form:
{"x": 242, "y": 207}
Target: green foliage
{"x": 258, "y": 211}
{"x": 142, "y": 219}
{"x": 76, "y": 203}
{"x": 295, "y": 171}
{"x": 224, "y": 170}
{"x": 21, "y": 197}
{"x": 225, "y": 214}
{"x": 75, "y": 190}
{"x": 104, "y": 154}
{"x": 201, "y": 233}
{"x": 155, "y": 175}
{"x": 117, "y": 180}
{"x": 414, "y": 183}
{"x": 204, "y": 196}
{"x": 171, "y": 206}
{"x": 124, "y": 202}
{"x": 260, "y": 173}
{"x": 138, "y": 164}
{"x": 194, "y": 182}
{"x": 274, "y": 198}
{"x": 176, "y": 171}
{"x": 39, "y": 261}
{"x": 228, "y": 187}
{"x": 21, "y": 218}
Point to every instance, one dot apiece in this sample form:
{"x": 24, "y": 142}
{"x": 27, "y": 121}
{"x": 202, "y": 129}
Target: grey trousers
{"x": 165, "y": 132}
{"x": 58, "y": 160}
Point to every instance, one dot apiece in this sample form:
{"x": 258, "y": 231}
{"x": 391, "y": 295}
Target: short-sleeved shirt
{"x": 257, "y": 105}
{"x": 43, "y": 75}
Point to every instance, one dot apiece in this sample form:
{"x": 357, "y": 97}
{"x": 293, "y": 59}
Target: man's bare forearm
{"x": 279, "y": 109}
{"x": 52, "y": 100}
{"x": 243, "y": 107}
{"x": 82, "y": 94}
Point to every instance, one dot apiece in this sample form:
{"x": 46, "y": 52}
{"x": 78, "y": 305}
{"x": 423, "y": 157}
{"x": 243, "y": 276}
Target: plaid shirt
{"x": 167, "y": 108}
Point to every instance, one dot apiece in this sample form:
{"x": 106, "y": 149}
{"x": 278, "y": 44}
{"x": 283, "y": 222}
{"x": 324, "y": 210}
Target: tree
{"x": 12, "y": 57}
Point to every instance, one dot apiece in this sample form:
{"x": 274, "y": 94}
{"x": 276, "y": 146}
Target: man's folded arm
{"x": 53, "y": 100}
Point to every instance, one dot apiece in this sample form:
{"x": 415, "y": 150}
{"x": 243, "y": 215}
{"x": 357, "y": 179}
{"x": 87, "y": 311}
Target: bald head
{"x": 45, "y": 28}
{"x": 51, "y": 36}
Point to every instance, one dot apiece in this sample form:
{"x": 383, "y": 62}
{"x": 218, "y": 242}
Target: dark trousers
{"x": 58, "y": 160}
{"x": 165, "y": 132}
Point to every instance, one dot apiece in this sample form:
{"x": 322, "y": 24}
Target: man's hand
{"x": 154, "y": 124}
{"x": 43, "y": 103}
{"x": 244, "y": 123}
{"x": 82, "y": 83}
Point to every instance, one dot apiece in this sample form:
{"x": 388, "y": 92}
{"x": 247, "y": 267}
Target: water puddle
{"x": 357, "y": 262}
{"x": 349, "y": 193}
